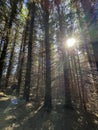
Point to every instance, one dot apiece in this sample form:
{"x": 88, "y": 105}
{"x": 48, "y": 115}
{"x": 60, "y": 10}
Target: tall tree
{"x": 91, "y": 19}
{"x": 11, "y": 60}
{"x": 21, "y": 56}
{"x": 8, "y": 32}
{"x": 29, "y": 57}
{"x": 61, "y": 15}
{"x": 47, "y": 103}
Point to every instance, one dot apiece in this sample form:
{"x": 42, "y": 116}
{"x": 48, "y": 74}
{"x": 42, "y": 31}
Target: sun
{"x": 70, "y": 42}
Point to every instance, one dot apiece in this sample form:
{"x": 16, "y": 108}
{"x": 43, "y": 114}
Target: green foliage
{"x": 23, "y": 15}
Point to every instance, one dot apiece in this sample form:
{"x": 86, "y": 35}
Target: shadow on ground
{"x": 34, "y": 117}
{"x": 59, "y": 119}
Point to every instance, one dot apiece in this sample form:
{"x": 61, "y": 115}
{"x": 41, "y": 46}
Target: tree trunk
{"x": 21, "y": 58}
{"x": 93, "y": 30}
{"x": 3, "y": 54}
{"x": 10, "y": 61}
{"x": 38, "y": 78}
{"x": 47, "y": 102}
{"x": 68, "y": 101}
{"x": 29, "y": 57}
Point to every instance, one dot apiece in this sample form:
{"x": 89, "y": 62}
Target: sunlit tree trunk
{"x": 11, "y": 60}
{"x": 21, "y": 58}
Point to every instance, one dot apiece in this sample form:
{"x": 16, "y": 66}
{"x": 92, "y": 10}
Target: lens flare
{"x": 70, "y": 42}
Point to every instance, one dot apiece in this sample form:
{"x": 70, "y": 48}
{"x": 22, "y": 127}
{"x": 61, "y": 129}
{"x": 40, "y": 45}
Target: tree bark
{"x": 8, "y": 31}
{"x": 21, "y": 58}
{"x": 47, "y": 102}
{"x": 29, "y": 57}
{"x": 10, "y": 61}
{"x": 93, "y": 30}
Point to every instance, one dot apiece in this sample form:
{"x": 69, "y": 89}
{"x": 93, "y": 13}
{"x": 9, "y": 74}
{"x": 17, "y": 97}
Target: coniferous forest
{"x": 48, "y": 64}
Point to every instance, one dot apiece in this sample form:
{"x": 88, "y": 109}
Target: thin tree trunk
{"x": 68, "y": 101}
{"x": 21, "y": 59}
{"x": 38, "y": 79}
{"x": 10, "y": 61}
{"x": 47, "y": 102}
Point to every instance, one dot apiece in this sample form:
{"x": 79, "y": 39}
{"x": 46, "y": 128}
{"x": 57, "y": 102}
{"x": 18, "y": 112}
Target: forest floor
{"x": 31, "y": 116}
